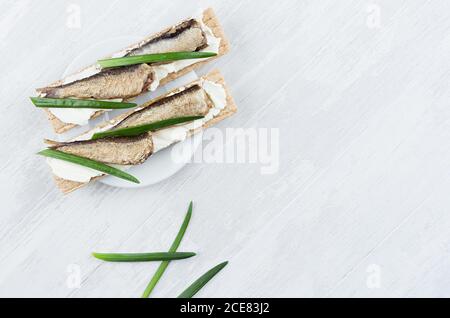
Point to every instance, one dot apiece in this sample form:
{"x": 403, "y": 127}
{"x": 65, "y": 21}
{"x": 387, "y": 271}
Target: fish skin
{"x": 114, "y": 150}
{"x": 192, "y": 101}
{"x": 131, "y": 81}
{"x": 121, "y": 82}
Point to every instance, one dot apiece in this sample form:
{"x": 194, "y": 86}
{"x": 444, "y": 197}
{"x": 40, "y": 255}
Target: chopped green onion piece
{"x": 88, "y": 163}
{"x": 153, "y": 58}
{"x": 142, "y": 257}
{"x": 161, "y": 269}
{"x": 138, "y": 130}
{"x": 78, "y": 103}
{"x": 202, "y": 281}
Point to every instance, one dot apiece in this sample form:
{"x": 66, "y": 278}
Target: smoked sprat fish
{"x": 192, "y": 101}
{"x": 117, "y": 150}
{"x": 188, "y": 36}
{"x": 124, "y": 82}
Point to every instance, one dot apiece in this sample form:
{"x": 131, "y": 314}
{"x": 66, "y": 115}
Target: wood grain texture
{"x": 359, "y": 207}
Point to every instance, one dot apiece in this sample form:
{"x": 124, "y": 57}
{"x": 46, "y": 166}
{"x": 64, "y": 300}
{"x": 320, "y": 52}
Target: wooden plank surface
{"x": 358, "y": 91}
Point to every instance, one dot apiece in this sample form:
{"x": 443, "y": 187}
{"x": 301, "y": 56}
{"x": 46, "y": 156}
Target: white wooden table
{"x": 359, "y": 91}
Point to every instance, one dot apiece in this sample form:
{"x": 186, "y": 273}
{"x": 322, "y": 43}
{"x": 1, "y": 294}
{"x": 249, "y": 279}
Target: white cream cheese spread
{"x": 77, "y": 116}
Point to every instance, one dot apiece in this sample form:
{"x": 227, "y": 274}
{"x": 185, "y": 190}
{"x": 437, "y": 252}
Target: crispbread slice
{"x": 67, "y": 186}
{"x": 209, "y": 19}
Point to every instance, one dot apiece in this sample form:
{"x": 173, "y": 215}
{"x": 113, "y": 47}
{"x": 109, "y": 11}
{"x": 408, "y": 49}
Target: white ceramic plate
{"x": 162, "y": 164}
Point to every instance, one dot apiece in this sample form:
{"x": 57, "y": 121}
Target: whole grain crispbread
{"x": 209, "y": 19}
